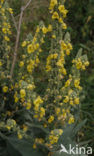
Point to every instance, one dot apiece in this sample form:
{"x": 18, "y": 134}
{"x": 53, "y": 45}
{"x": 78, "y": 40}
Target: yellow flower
{"x": 16, "y": 99}
{"x": 45, "y": 125}
{"x": 24, "y": 44}
{"x": 70, "y": 91}
{"x": 59, "y": 63}
{"x": 53, "y": 138}
{"x": 42, "y": 40}
{"x": 30, "y": 48}
{"x": 63, "y": 110}
{"x": 38, "y": 101}
{"x": 54, "y": 36}
{"x": 64, "y": 26}
{"x": 71, "y": 102}
{"x": 30, "y": 87}
{"x": 71, "y": 120}
{"x": 5, "y": 89}
{"x": 37, "y": 30}
{"x": 76, "y": 101}
{"x": 69, "y": 45}
{"x": 21, "y": 64}
{"x": 55, "y": 15}
{"x": 40, "y": 50}
{"x": 37, "y": 60}
{"x": 62, "y": 10}
{"x": 44, "y": 30}
{"x": 55, "y": 56}
{"x": 60, "y": 131}
{"x": 67, "y": 52}
{"x": 42, "y": 112}
{"x": 76, "y": 83}
{"x": 57, "y": 111}
{"x": 8, "y": 127}
{"x": 25, "y": 128}
{"x": 4, "y": 30}
{"x": 0, "y": 63}
{"x": 34, "y": 146}
{"x": 2, "y": 1}
{"x": 63, "y": 71}
{"x": 63, "y": 45}
{"x": 48, "y": 68}
{"x": 49, "y": 27}
{"x": 36, "y": 46}
{"x": 79, "y": 64}
{"x": 83, "y": 67}
{"x": 51, "y": 118}
{"x": 29, "y": 68}
{"x": 52, "y": 4}
{"x": 86, "y": 63}
{"x": 10, "y": 10}
{"x": 67, "y": 83}
{"x": 22, "y": 93}
{"x": 60, "y": 20}
{"x": 28, "y": 105}
{"x": 20, "y": 136}
{"x": 6, "y": 38}
{"x": 39, "y": 140}
{"x": 10, "y": 124}
{"x": 35, "y": 116}
{"x": 66, "y": 99}
{"x": 3, "y": 10}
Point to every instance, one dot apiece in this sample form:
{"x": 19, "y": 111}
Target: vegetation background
{"x": 80, "y": 22}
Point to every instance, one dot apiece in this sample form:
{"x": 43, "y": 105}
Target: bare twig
{"x": 16, "y": 44}
{"x": 14, "y": 21}
{"x": 17, "y": 38}
{"x": 27, "y": 4}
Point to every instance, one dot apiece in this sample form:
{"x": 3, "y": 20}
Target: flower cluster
{"x": 80, "y": 63}
{"x": 52, "y": 110}
{"x": 5, "y": 34}
{"x": 54, "y": 136}
{"x": 6, "y": 27}
{"x": 58, "y": 12}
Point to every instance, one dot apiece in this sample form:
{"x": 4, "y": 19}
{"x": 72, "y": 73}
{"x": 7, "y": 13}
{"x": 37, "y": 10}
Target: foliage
{"x": 81, "y": 21}
{"x": 25, "y": 111}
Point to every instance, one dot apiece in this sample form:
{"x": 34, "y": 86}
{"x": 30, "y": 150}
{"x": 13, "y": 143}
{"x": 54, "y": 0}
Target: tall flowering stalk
{"x": 54, "y": 110}
{"x": 51, "y": 112}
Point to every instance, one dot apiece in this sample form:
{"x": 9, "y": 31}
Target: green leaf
{"x": 67, "y": 37}
{"x": 24, "y": 84}
{"x": 60, "y": 154}
{"x": 84, "y": 143}
{"x": 78, "y": 127}
{"x": 24, "y": 147}
{"x": 85, "y": 47}
{"x": 84, "y": 57}
{"x": 38, "y": 129}
{"x": 79, "y": 53}
{"x": 12, "y": 151}
{"x": 3, "y": 151}
{"x": 29, "y": 37}
{"x": 67, "y": 136}
{"x": 41, "y": 23}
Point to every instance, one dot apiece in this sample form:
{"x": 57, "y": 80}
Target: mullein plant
{"x": 54, "y": 110}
